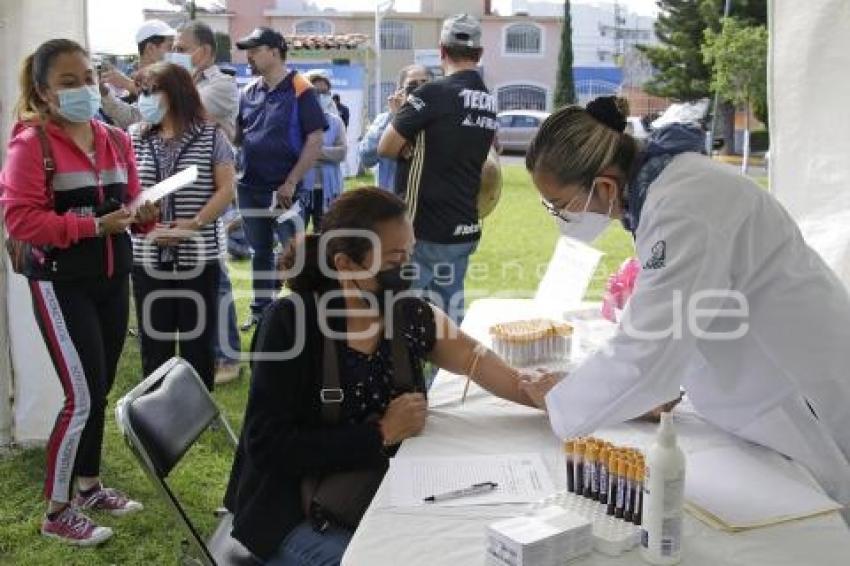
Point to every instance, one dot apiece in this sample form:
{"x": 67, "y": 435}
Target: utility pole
{"x": 709, "y": 142}
{"x": 381, "y": 7}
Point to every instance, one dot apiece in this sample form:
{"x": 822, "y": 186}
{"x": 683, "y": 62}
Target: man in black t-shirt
{"x": 441, "y": 136}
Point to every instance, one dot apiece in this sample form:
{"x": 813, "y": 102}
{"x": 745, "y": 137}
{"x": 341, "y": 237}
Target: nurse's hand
{"x": 537, "y": 384}
{"x": 654, "y": 415}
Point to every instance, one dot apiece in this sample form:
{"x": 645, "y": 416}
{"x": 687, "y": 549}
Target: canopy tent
{"x": 29, "y": 390}
{"x": 809, "y": 122}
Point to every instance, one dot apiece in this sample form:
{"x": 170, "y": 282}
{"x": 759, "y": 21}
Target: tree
{"x": 681, "y": 72}
{"x": 737, "y": 55}
{"x": 222, "y": 47}
{"x": 565, "y": 90}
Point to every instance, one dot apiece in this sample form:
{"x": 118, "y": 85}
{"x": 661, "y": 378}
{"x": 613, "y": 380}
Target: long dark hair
{"x": 184, "y": 102}
{"x": 33, "y": 77}
{"x": 358, "y": 209}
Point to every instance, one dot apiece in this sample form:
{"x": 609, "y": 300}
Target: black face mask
{"x": 392, "y": 281}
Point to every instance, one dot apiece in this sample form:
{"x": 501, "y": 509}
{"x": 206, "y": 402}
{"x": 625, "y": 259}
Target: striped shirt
{"x": 204, "y": 146}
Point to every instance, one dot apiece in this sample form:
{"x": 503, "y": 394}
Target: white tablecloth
{"x": 488, "y": 425}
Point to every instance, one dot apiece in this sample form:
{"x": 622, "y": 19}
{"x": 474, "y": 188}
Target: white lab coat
{"x": 722, "y": 232}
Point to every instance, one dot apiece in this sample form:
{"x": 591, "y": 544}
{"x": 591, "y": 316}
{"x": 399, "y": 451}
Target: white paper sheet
{"x": 568, "y": 275}
{"x": 734, "y": 490}
{"x": 166, "y": 187}
{"x": 289, "y": 213}
{"x": 522, "y": 478}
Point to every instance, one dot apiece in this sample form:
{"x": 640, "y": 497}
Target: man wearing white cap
{"x": 155, "y": 39}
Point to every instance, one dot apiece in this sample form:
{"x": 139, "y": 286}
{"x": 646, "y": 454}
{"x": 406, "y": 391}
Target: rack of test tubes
{"x": 528, "y": 342}
{"x": 605, "y": 486}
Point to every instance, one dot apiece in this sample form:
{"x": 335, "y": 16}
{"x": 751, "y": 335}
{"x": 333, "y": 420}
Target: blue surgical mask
{"x": 326, "y": 101}
{"x": 182, "y": 59}
{"x": 79, "y": 104}
{"x": 152, "y": 108}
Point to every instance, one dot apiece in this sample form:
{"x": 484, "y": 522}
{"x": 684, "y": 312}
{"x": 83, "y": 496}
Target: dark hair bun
{"x": 610, "y": 110}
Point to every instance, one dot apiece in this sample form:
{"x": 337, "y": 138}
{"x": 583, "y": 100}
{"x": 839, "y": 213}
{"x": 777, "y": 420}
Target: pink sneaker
{"x": 110, "y": 500}
{"x": 72, "y": 527}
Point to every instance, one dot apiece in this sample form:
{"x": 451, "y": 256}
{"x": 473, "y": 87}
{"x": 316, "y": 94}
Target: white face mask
{"x": 584, "y": 226}
{"x": 182, "y": 59}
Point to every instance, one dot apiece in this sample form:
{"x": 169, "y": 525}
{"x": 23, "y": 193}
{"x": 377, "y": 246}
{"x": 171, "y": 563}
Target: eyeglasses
{"x": 564, "y": 213}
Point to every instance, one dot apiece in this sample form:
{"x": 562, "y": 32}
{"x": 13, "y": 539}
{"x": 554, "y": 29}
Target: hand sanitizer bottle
{"x": 663, "y": 498}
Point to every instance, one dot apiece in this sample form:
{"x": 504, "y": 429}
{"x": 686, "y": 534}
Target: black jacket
{"x": 283, "y": 437}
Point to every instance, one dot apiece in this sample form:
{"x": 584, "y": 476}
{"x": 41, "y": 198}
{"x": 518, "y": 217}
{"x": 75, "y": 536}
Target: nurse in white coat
{"x": 731, "y": 303}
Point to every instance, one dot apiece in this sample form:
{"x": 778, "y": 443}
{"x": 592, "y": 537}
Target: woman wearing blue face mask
{"x": 730, "y": 303}
{"x": 176, "y": 267}
{"x": 325, "y": 179}
{"x": 65, "y": 184}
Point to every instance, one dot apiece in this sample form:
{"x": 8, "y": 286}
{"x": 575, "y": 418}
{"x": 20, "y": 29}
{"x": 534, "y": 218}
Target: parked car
{"x": 518, "y": 127}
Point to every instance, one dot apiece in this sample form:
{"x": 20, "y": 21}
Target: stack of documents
{"x": 734, "y": 490}
{"x": 550, "y": 537}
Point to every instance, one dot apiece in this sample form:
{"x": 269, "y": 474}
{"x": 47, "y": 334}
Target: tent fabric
{"x": 24, "y": 24}
{"x": 810, "y": 122}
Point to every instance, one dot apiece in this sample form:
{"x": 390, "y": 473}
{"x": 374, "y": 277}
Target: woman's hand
{"x": 171, "y": 234}
{"x": 537, "y": 384}
{"x": 115, "y": 222}
{"x": 147, "y": 213}
{"x": 118, "y": 79}
{"x": 405, "y": 417}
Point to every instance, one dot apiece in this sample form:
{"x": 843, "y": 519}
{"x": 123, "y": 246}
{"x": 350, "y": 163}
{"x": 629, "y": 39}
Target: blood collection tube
{"x": 630, "y": 491}
{"x": 569, "y": 450}
{"x": 602, "y": 473}
{"x": 579, "y": 466}
{"x": 621, "y": 487}
{"x": 612, "y": 482}
{"x": 637, "y": 515}
{"x": 592, "y": 470}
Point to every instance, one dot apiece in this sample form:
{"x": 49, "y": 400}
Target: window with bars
{"x": 523, "y": 39}
{"x": 396, "y": 35}
{"x": 387, "y": 88}
{"x": 521, "y": 97}
{"x": 314, "y": 27}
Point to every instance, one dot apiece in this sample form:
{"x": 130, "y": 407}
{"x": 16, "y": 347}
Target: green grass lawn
{"x": 520, "y": 233}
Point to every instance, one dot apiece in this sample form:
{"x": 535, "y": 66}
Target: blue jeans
{"x": 261, "y": 227}
{"x": 441, "y": 269}
{"x": 305, "y": 547}
{"x": 230, "y": 331}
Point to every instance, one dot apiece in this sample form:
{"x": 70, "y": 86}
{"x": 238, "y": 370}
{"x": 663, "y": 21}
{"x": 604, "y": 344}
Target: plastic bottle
{"x": 663, "y": 498}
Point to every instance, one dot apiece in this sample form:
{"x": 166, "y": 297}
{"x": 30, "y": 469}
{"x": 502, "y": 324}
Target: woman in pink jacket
{"x": 65, "y": 187}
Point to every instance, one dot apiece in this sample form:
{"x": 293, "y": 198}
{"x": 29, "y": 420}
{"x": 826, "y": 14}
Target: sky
{"x": 112, "y": 24}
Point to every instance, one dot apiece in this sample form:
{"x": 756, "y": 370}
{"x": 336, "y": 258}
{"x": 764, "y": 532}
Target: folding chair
{"x": 161, "y": 418}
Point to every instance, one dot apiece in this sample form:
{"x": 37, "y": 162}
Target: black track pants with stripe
{"x": 83, "y": 324}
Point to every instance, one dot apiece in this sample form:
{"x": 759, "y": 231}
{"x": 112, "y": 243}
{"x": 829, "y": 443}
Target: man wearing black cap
{"x": 279, "y": 130}
{"x": 441, "y": 137}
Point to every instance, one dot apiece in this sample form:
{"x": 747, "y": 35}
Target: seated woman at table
{"x": 299, "y": 428}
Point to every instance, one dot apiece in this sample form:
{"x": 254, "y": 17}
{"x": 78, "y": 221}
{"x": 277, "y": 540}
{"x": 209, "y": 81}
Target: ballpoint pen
{"x": 475, "y": 489}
